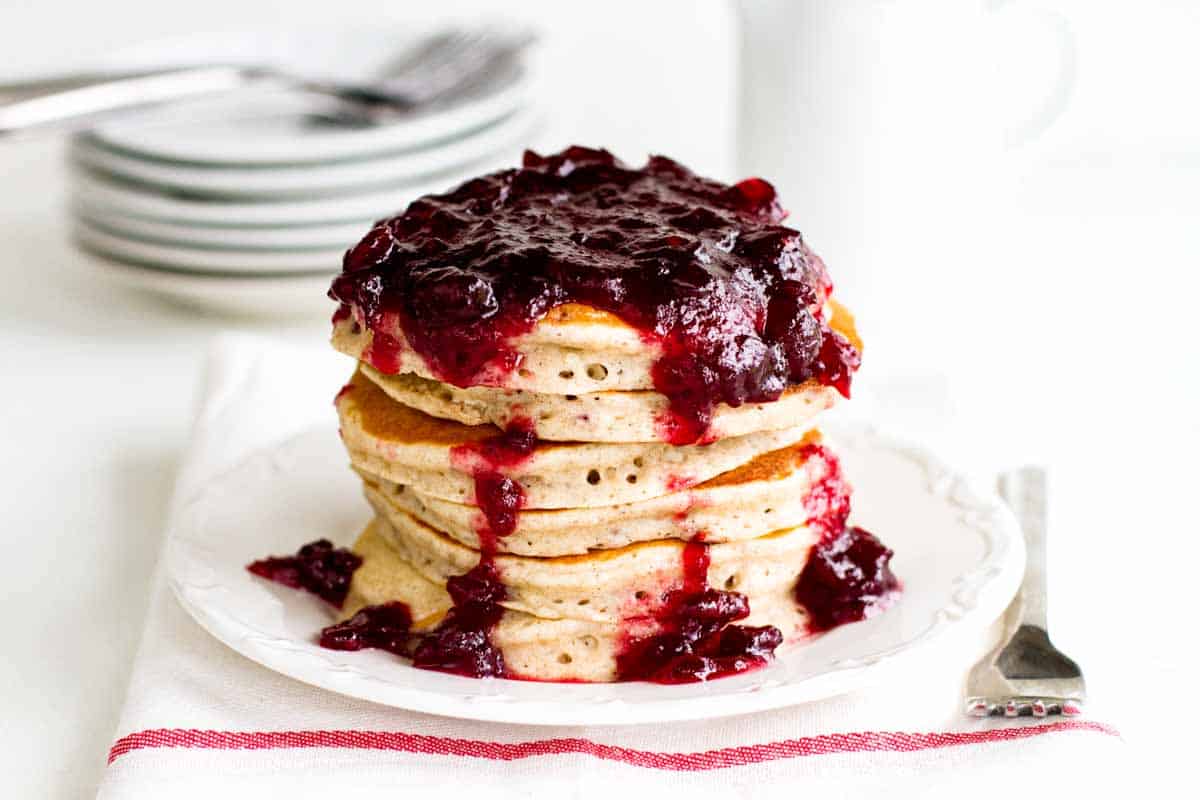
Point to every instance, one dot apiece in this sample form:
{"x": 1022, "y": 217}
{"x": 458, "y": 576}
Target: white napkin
{"x": 201, "y": 721}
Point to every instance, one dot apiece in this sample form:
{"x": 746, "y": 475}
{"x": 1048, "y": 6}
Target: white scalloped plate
{"x": 959, "y": 554}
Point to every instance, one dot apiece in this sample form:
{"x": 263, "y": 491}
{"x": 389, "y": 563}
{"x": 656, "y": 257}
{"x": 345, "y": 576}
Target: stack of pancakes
{"x": 595, "y": 507}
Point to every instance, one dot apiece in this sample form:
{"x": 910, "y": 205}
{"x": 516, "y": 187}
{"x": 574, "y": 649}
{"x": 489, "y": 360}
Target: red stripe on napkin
{"x": 863, "y": 742}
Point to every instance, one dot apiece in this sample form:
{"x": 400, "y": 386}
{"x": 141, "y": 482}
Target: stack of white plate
{"x": 247, "y": 202}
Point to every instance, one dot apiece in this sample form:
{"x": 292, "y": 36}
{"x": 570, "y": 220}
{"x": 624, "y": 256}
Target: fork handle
{"x": 77, "y": 100}
{"x": 1024, "y": 490}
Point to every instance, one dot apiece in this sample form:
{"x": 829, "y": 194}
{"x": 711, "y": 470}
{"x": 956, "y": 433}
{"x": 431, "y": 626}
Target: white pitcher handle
{"x": 1055, "y": 102}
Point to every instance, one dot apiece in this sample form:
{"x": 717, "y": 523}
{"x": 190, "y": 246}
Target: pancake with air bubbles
{"x": 573, "y": 350}
{"x": 607, "y": 585}
{"x": 597, "y": 416}
{"x": 548, "y": 648}
{"x": 764, "y": 495}
{"x": 389, "y": 440}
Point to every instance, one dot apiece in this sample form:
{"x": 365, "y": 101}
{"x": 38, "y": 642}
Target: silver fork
{"x": 1026, "y": 674}
{"x": 444, "y": 65}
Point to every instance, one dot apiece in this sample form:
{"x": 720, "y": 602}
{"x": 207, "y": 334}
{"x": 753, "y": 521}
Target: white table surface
{"x": 98, "y": 385}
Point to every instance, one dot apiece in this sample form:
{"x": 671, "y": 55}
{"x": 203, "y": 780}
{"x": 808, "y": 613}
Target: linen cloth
{"x": 202, "y": 721}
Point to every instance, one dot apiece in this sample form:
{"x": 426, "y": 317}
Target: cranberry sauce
{"x": 498, "y": 496}
{"x": 828, "y": 500}
{"x": 847, "y": 578}
{"x": 318, "y": 567}
{"x": 697, "y": 641}
{"x": 384, "y": 627}
{"x": 462, "y": 643}
{"x": 734, "y": 298}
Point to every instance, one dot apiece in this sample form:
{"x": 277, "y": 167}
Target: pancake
{"x": 572, "y": 350}
{"x": 389, "y": 440}
{"x": 606, "y": 585}
{"x": 612, "y": 416}
{"x": 764, "y": 495}
{"x": 540, "y": 648}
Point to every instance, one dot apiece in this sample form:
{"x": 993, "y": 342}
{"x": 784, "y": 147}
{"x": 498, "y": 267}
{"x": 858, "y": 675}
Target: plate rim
{"x": 143, "y": 200}
{"x": 316, "y": 237}
{"x": 181, "y": 257}
{"x": 1003, "y": 566}
{"x": 271, "y": 296}
{"x": 297, "y": 181}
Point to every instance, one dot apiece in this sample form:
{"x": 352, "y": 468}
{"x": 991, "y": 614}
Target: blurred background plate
{"x": 226, "y": 261}
{"x": 284, "y": 237}
{"x": 139, "y": 200}
{"x": 269, "y": 126}
{"x": 251, "y": 296}
{"x": 506, "y": 135}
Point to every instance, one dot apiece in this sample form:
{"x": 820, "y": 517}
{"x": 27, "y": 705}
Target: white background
{"x": 1027, "y": 304}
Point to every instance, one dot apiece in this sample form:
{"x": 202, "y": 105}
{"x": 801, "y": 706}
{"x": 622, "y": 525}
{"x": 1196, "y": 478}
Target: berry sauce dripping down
{"x": 698, "y": 640}
{"x": 460, "y": 644}
{"x": 848, "y": 576}
{"x": 827, "y": 502}
{"x": 705, "y": 269}
{"x": 498, "y": 496}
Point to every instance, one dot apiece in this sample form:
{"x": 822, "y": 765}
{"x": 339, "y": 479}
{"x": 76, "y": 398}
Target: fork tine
{"x": 431, "y": 54}
{"x": 411, "y": 57}
{"x": 440, "y": 66}
{"x": 978, "y": 707}
{"x": 1012, "y": 707}
{"x": 460, "y": 54}
{"x": 482, "y": 57}
{"x": 485, "y": 48}
{"x": 486, "y": 71}
{"x": 461, "y": 44}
